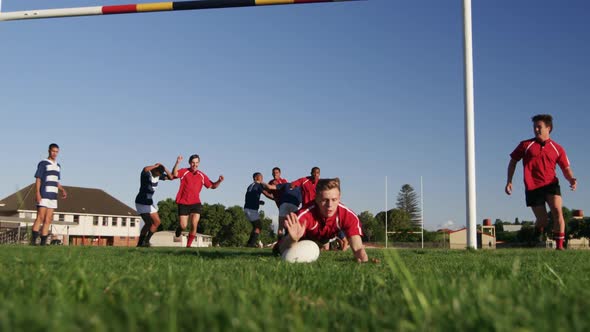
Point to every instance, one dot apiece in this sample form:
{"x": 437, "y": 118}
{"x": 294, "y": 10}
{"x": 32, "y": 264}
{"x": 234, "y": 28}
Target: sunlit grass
{"x": 155, "y": 289}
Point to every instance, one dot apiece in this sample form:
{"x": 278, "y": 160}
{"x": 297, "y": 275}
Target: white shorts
{"x": 142, "y": 208}
{"x": 252, "y": 215}
{"x": 48, "y": 203}
{"x": 287, "y": 208}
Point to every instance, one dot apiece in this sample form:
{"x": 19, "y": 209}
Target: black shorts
{"x": 538, "y": 197}
{"x": 185, "y": 210}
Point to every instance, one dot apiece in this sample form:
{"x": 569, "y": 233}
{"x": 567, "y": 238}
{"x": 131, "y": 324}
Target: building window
{"x": 122, "y": 237}
{"x": 95, "y": 220}
{"x": 76, "y": 219}
{"x": 62, "y": 217}
{"x": 105, "y": 221}
{"x": 131, "y": 222}
{"x": 123, "y": 222}
{"x": 114, "y": 223}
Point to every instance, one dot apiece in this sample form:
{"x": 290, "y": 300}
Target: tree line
{"x": 229, "y": 227}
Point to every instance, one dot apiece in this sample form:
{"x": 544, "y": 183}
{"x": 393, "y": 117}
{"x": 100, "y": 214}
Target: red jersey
{"x": 277, "y": 193}
{"x": 318, "y": 228}
{"x": 307, "y": 188}
{"x": 539, "y": 161}
{"x": 190, "y": 186}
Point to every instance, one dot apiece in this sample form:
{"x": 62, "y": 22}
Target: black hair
{"x": 53, "y": 145}
{"x": 546, "y": 118}
{"x": 193, "y": 157}
{"x": 255, "y": 175}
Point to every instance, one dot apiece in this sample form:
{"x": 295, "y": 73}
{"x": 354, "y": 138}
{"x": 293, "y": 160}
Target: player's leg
{"x": 147, "y": 220}
{"x": 183, "y": 213}
{"x": 153, "y": 228}
{"x": 193, "y": 229}
{"x": 41, "y": 211}
{"x": 46, "y": 224}
{"x": 555, "y": 204}
{"x": 535, "y": 199}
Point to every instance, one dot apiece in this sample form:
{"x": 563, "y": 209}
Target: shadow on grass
{"x": 208, "y": 253}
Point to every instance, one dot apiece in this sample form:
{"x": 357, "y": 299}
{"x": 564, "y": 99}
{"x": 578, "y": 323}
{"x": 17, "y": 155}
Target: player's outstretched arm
{"x": 356, "y": 243}
{"x": 218, "y": 182}
{"x": 169, "y": 175}
{"x": 295, "y": 231}
{"x": 175, "y": 168}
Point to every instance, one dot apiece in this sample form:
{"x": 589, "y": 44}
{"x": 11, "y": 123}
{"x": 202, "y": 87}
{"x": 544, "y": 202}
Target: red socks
{"x": 558, "y": 237}
{"x": 191, "y": 237}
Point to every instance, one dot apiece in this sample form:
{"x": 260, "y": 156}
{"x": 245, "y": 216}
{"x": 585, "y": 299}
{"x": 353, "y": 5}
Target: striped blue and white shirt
{"x": 148, "y": 185}
{"x": 49, "y": 172}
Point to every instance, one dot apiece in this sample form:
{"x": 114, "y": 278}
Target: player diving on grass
{"x": 144, "y": 203}
{"x": 323, "y": 219}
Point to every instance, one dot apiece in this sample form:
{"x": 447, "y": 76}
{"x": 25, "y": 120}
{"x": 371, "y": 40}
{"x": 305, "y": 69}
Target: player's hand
{"x": 573, "y": 184}
{"x": 508, "y": 188}
{"x": 64, "y": 194}
{"x": 38, "y": 198}
{"x": 178, "y": 159}
{"x": 295, "y": 229}
{"x": 361, "y": 256}
{"x": 221, "y": 178}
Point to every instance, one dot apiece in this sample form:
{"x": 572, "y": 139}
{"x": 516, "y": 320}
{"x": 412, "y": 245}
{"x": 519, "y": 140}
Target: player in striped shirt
{"x": 47, "y": 187}
{"x": 144, "y": 203}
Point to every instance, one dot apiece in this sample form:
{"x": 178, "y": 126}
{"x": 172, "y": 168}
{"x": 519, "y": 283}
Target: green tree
{"x": 408, "y": 202}
{"x": 398, "y": 221}
{"x": 499, "y": 225}
{"x": 369, "y": 224}
{"x": 168, "y": 211}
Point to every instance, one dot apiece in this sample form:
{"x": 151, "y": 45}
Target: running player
{"x": 251, "y": 206}
{"x": 276, "y": 180}
{"x": 308, "y": 185}
{"x": 540, "y": 156}
{"x": 188, "y": 197}
{"x": 144, "y": 203}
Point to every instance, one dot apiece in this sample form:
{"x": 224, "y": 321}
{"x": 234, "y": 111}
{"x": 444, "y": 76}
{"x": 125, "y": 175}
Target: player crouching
{"x": 323, "y": 219}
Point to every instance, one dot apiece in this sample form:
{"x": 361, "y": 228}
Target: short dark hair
{"x": 276, "y": 168}
{"x": 53, "y": 145}
{"x": 255, "y": 175}
{"x": 314, "y": 168}
{"x": 193, "y": 157}
{"x": 546, "y": 118}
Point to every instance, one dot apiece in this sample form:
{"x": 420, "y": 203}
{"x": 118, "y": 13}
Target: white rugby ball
{"x": 304, "y": 251}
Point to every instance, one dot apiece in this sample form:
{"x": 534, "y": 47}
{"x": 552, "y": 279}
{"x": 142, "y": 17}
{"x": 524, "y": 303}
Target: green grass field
{"x": 155, "y": 289}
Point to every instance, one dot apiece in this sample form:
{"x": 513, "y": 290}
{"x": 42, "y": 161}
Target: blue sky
{"x": 363, "y": 90}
